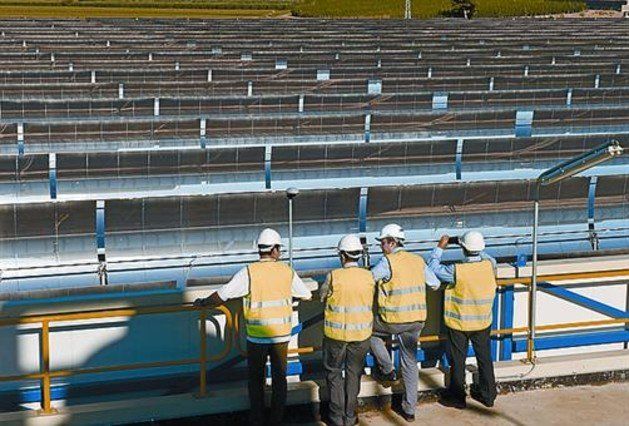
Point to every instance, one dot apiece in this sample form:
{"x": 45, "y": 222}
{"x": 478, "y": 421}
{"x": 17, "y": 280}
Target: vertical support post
{"x": 100, "y": 243}
{"x": 203, "y": 133}
{"x": 494, "y": 326}
{"x": 530, "y": 343}
{"x": 52, "y": 175}
{"x": 268, "y": 153}
{"x": 458, "y": 160}
{"x": 524, "y": 123}
{"x": 507, "y": 299}
{"x": 591, "y": 199}
{"x": 20, "y": 139}
{"x": 362, "y": 224}
{"x": 439, "y": 100}
{"x": 290, "y": 231}
{"x": 626, "y": 344}
{"x": 46, "y": 407}
{"x": 291, "y": 193}
{"x": 301, "y": 103}
{"x": 202, "y": 354}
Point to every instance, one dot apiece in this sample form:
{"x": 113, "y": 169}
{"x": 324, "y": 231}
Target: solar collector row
{"x": 256, "y": 209}
{"x": 15, "y": 168}
{"x": 81, "y": 90}
{"x": 91, "y": 108}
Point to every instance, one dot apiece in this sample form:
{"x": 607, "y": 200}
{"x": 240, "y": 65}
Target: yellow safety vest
{"x": 468, "y": 303}
{"x": 268, "y": 307}
{"x": 403, "y": 298}
{"x": 348, "y": 310}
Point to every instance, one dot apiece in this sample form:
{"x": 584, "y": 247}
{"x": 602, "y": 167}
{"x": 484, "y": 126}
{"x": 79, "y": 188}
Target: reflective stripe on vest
{"x": 348, "y": 310}
{"x": 268, "y": 306}
{"x": 402, "y": 299}
{"x": 468, "y": 303}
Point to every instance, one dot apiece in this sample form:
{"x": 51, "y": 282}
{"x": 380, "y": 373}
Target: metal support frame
{"x": 268, "y": 154}
{"x": 100, "y": 243}
{"x": 458, "y": 159}
{"x": 439, "y": 100}
{"x": 524, "y": 124}
{"x": 532, "y": 305}
{"x": 583, "y": 301}
{"x": 555, "y": 174}
{"x": 291, "y": 193}
{"x": 591, "y": 225}
{"x": 507, "y": 303}
{"x": 52, "y": 175}
{"x": 20, "y": 139}
{"x": 203, "y": 133}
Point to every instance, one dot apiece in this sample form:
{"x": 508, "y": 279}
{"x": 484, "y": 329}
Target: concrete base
{"x": 233, "y": 397}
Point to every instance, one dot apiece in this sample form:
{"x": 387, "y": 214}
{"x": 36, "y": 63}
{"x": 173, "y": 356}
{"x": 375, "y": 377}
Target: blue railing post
{"x": 494, "y": 326}
{"x": 507, "y": 299}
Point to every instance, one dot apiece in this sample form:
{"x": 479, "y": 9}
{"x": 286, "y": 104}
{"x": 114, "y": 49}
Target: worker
{"x": 348, "y": 319}
{"x": 468, "y": 301}
{"x": 267, "y": 288}
{"x": 401, "y": 311}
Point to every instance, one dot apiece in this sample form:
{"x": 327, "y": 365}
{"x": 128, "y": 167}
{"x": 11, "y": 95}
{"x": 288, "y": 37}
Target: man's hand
{"x": 200, "y": 302}
{"x": 443, "y": 241}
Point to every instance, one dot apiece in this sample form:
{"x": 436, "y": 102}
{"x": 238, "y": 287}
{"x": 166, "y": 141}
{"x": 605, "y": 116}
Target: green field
{"x": 271, "y": 8}
{"x": 430, "y": 8}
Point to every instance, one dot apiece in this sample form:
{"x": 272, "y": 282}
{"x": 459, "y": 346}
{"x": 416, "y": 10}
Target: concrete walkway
{"x": 580, "y": 405}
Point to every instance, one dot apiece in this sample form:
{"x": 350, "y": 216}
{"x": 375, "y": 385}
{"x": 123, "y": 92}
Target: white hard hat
{"x": 268, "y": 239}
{"x": 351, "y": 246}
{"x": 473, "y": 241}
{"x": 392, "y": 230}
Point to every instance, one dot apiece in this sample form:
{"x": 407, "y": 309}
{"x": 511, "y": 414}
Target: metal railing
{"x": 232, "y": 328}
{"x": 45, "y": 374}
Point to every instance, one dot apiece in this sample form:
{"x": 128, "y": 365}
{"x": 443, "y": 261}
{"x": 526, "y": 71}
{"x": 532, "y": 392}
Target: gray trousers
{"x": 407, "y": 335}
{"x": 338, "y": 357}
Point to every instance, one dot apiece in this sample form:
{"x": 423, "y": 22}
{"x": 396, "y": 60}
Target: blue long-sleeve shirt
{"x": 382, "y": 271}
{"x": 446, "y": 272}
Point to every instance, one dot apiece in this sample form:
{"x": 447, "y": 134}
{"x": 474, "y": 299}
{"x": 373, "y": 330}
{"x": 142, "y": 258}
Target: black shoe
{"x": 448, "y": 400}
{"x": 408, "y": 417}
{"x": 476, "y": 395}
{"x": 386, "y": 380}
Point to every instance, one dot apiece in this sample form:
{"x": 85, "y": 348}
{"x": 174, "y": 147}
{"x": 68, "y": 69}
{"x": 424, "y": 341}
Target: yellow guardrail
{"x": 232, "y": 331}
{"x": 45, "y": 374}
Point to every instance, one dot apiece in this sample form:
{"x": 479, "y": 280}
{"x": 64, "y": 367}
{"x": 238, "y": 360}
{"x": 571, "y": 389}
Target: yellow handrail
{"x": 45, "y": 374}
{"x": 232, "y": 327}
